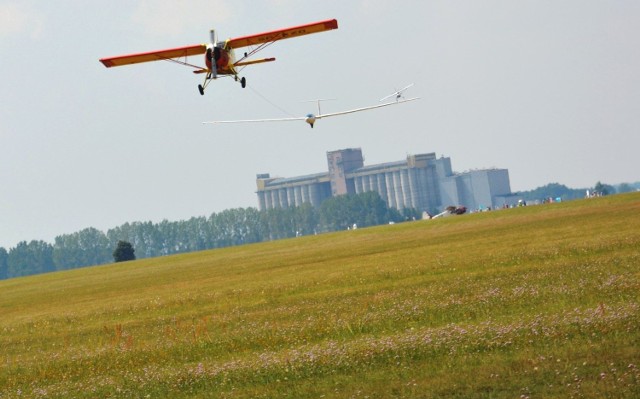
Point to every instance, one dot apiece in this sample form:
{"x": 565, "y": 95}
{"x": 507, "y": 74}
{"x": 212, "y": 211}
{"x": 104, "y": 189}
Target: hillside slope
{"x": 538, "y": 301}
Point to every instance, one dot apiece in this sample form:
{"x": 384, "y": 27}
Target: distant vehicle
{"x": 219, "y": 55}
{"x": 451, "y": 210}
{"x": 312, "y": 118}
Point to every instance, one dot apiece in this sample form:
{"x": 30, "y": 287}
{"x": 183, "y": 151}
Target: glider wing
{"x": 159, "y": 55}
{"x": 258, "y": 120}
{"x": 280, "y": 34}
{"x": 305, "y": 118}
{"x": 366, "y": 108}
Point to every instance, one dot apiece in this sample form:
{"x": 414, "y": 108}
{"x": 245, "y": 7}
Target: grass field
{"x": 533, "y": 302}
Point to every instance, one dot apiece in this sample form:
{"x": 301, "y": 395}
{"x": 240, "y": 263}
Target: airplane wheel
{"x": 243, "y": 82}
{"x": 201, "y": 90}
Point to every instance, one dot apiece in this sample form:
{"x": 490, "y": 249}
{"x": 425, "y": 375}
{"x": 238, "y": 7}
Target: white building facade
{"x": 422, "y": 182}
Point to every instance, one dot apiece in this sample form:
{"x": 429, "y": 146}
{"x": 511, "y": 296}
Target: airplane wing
{"x": 366, "y": 108}
{"x": 258, "y": 120}
{"x": 397, "y": 94}
{"x": 280, "y": 34}
{"x": 159, "y": 55}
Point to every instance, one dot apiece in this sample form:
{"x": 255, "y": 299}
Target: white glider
{"x": 311, "y": 118}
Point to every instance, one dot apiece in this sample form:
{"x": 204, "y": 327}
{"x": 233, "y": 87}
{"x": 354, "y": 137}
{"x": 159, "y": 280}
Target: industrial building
{"x": 422, "y": 182}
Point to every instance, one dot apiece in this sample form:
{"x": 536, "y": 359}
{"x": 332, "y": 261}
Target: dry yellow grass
{"x": 531, "y": 302}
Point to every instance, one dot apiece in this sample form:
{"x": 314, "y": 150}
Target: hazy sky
{"x": 547, "y": 89}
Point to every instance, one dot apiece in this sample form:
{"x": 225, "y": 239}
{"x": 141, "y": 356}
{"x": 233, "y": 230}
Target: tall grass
{"x": 530, "y": 302}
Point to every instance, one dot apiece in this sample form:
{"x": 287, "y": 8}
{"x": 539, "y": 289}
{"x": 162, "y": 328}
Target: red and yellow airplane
{"x": 219, "y": 56}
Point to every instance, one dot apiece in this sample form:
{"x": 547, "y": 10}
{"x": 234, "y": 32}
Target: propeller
{"x": 213, "y": 59}
{"x": 214, "y": 37}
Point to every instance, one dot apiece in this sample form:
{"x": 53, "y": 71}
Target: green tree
{"x": 124, "y": 252}
{"x": 334, "y": 213}
{"x": 365, "y": 209}
{"x": 4, "y": 271}
{"x": 411, "y": 214}
{"x": 604, "y": 189}
{"x": 275, "y": 224}
{"x": 372, "y": 209}
{"x": 553, "y": 190}
{"x": 253, "y": 228}
{"x": 624, "y": 188}
{"x": 87, "y": 247}
{"x": 141, "y": 235}
{"x": 167, "y": 236}
{"x": 197, "y": 234}
{"x": 30, "y": 258}
{"x": 305, "y": 218}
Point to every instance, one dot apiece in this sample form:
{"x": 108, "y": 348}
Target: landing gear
{"x": 210, "y": 77}
{"x": 243, "y": 81}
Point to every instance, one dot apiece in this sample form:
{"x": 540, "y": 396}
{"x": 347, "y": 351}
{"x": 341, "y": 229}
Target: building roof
{"x": 379, "y": 167}
{"x": 297, "y": 180}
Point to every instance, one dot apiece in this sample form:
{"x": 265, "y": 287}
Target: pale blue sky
{"x": 547, "y": 89}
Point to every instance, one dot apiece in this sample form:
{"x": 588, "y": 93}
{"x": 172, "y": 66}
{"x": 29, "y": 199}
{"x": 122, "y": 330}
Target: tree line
{"x": 238, "y": 226}
{"x": 556, "y": 190}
